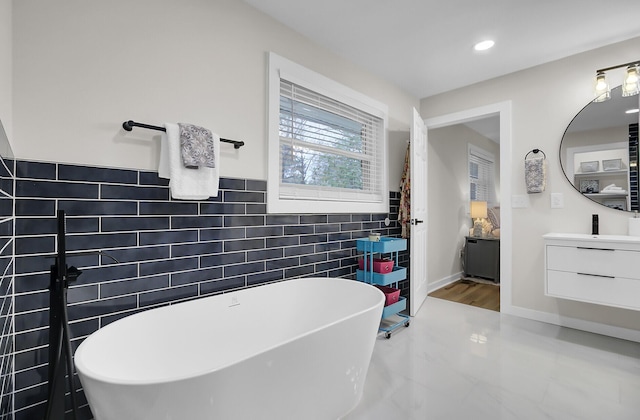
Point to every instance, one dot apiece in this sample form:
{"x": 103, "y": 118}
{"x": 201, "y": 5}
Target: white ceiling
{"x": 425, "y": 46}
{"x": 489, "y": 127}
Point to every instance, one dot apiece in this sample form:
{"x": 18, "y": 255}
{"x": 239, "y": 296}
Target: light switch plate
{"x": 519, "y": 201}
{"x": 557, "y": 200}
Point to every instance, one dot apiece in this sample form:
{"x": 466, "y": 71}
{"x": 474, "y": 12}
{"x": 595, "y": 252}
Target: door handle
{"x": 416, "y": 221}
{"x": 596, "y": 275}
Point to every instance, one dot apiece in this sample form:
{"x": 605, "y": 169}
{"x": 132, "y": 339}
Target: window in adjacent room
{"x": 481, "y": 175}
{"x": 327, "y": 145}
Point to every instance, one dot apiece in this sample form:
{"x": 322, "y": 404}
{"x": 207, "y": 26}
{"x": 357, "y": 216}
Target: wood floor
{"x": 485, "y": 296}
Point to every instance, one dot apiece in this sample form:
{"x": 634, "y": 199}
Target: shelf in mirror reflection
{"x": 600, "y": 195}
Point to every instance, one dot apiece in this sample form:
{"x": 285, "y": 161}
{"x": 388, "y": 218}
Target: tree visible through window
{"x": 327, "y": 145}
{"x": 317, "y": 147}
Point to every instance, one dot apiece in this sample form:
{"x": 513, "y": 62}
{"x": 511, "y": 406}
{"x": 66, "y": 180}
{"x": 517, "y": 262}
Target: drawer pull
{"x": 596, "y": 275}
{"x": 596, "y": 249}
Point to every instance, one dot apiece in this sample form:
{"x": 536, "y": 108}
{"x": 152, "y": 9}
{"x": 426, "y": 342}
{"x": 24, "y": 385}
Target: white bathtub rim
{"x": 83, "y": 370}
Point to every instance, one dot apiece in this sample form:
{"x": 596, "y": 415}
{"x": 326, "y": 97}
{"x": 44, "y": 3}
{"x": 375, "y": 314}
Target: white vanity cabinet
{"x": 601, "y": 269}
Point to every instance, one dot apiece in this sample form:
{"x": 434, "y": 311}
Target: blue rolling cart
{"x": 385, "y": 246}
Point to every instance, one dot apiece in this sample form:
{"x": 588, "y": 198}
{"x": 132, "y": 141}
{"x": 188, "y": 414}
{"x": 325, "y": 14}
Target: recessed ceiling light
{"x": 632, "y": 111}
{"x": 483, "y": 45}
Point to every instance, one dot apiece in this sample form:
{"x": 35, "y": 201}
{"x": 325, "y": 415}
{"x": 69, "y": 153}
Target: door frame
{"x": 503, "y": 111}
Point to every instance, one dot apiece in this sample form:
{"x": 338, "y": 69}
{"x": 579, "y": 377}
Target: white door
{"x": 418, "y": 238}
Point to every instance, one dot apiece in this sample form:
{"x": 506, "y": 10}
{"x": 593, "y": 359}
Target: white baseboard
{"x": 431, "y": 287}
{"x": 578, "y": 324}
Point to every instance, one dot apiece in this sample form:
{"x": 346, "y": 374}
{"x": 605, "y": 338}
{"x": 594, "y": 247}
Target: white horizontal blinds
{"x": 328, "y": 150}
{"x": 481, "y": 177}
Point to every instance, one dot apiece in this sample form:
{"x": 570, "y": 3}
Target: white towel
{"x": 612, "y": 188}
{"x": 185, "y": 183}
{"x": 616, "y": 190}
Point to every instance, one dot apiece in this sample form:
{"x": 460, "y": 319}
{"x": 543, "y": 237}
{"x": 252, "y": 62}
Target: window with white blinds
{"x": 331, "y": 153}
{"x": 481, "y": 175}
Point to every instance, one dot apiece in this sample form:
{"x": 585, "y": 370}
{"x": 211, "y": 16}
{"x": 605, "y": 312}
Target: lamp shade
{"x": 601, "y": 88}
{"x": 478, "y": 209}
{"x": 631, "y": 83}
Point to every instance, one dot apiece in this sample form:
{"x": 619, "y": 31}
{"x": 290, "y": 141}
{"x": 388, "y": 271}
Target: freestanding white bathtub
{"x": 297, "y": 349}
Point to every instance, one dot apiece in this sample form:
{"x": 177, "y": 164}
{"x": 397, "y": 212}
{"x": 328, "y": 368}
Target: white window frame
{"x": 280, "y": 67}
{"x": 491, "y": 187}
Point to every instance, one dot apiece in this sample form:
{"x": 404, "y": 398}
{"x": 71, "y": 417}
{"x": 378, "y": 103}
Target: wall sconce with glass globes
{"x": 630, "y": 83}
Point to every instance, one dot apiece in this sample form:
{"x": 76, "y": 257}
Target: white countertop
{"x": 592, "y": 238}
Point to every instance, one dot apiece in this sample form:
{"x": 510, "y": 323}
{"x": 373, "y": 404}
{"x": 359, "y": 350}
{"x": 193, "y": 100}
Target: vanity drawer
{"x": 611, "y": 291}
{"x": 600, "y": 261}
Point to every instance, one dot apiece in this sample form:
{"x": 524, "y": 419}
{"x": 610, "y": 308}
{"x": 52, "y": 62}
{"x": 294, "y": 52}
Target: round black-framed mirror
{"x": 599, "y": 152}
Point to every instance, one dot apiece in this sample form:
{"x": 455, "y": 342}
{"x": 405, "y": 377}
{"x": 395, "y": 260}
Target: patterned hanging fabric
{"x": 404, "y": 213}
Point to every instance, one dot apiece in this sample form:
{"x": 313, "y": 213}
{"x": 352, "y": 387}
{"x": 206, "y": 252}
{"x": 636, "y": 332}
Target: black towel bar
{"x": 128, "y": 126}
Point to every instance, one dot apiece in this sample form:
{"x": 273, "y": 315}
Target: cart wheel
{"x": 387, "y": 335}
{"x": 406, "y": 324}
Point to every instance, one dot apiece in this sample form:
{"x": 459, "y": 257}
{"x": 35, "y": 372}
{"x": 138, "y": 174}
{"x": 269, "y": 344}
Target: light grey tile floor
{"x": 460, "y": 362}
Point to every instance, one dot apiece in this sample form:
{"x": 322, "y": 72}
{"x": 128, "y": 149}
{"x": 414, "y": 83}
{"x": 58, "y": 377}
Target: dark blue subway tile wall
{"x": 633, "y": 167}
{"x": 97, "y": 207}
{"x": 32, "y": 188}
{"x": 36, "y": 170}
{"x": 155, "y": 251}
{"x": 7, "y": 268}
{"x": 6, "y": 203}
{"x": 83, "y": 173}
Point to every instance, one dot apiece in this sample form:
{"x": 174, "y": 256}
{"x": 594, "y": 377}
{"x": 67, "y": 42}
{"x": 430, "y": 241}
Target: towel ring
{"x": 536, "y": 151}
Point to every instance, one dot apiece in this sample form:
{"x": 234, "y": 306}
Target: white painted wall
{"x": 82, "y": 68}
{"x": 544, "y": 100}
{"x": 6, "y": 63}
{"x": 448, "y": 186}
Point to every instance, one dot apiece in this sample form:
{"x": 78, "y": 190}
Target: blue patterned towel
{"x": 196, "y": 146}
{"x": 535, "y": 174}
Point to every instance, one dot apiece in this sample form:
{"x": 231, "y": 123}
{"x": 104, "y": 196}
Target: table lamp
{"x": 478, "y": 211}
